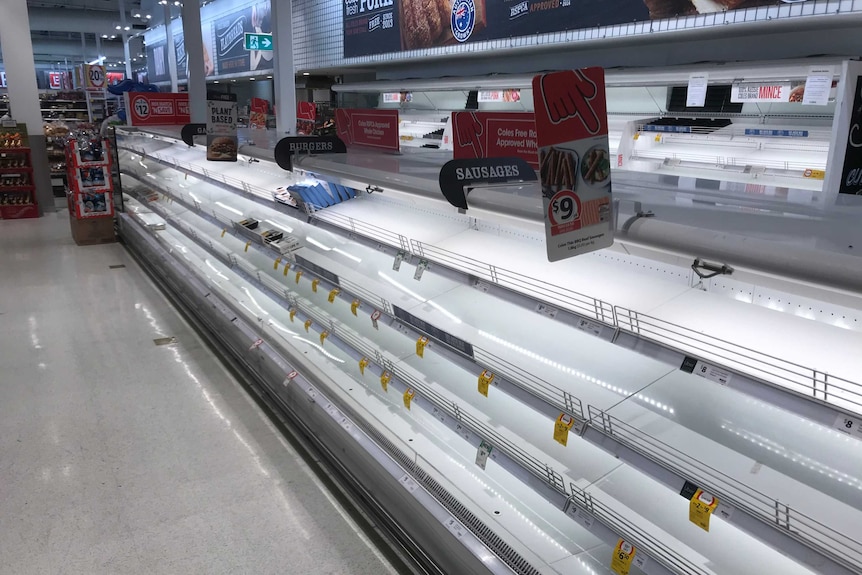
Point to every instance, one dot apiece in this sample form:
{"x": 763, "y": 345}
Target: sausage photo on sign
{"x": 672, "y": 8}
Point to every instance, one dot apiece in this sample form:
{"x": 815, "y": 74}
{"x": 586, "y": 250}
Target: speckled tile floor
{"x": 121, "y": 457}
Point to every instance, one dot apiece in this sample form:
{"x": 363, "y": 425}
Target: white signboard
{"x": 818, "y": 85}
{"x": 221, "y": 127}
{"x": 697, "y": 84}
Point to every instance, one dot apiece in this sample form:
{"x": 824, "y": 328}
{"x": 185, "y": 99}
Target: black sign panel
{"x": 286, "y": 147}
{"x": 851, "y": 175}
{"x": 189, "y": 131}
{"x": 182, "y": 56}
{"x": 455, "y": 343}
{"x": 317, "y": 270}
{"x": 231, "y": 55}
{"x": 688, "y": 364}
{"x": 457, "y": 175}
{"x": 157, "y": 62}
{"x": 688, "y": 490}
{"x": 380, "y": 26}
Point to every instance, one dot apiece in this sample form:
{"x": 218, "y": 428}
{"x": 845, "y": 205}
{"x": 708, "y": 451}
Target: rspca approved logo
{"x": 463, "y": 19}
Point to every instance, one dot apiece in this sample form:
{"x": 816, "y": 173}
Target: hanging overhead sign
{"x": 368, "y": 128}
{"x": 258, "y": 42}
{"x": 157, "y": 109}
{"x": 787, "y": 92}
{"x": 381, "y": 26}
{"x": 495, "y": 135}
{"x": 574, "y": 160}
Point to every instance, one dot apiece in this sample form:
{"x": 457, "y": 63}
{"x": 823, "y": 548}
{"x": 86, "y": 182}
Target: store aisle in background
{"x": 118, "y": 455}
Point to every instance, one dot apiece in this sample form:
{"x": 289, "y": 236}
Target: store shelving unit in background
{"x": 64, "y": 105}
{"x": 17, "y": 193}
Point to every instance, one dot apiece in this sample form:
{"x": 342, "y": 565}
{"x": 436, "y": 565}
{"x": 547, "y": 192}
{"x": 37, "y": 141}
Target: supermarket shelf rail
{"x": 807, "y": 391}
{"x": 666, "y": 464}
{"x": 539, "y": 476}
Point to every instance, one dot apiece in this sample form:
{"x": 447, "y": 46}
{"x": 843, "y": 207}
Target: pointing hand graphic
{"x": 568, "y": 94}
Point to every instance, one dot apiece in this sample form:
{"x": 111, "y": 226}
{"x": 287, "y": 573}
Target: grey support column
{"x": 23, "y": 94}
{"x": 284, "y": 74}
{"x": 127, "y": 55}
{"x": 193, "y": 38}
{"x": 172, "y": 53}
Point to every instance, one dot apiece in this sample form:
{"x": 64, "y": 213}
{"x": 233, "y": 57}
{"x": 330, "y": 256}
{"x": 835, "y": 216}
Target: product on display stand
{"x": 17, "y": 192}
{"x": 90, "y": 193}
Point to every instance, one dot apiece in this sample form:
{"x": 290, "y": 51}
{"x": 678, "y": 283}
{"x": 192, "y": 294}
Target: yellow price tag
{"x": 624, "y": 555}
{"x": 385, "y": 378}
{"x": 298, "y": 275}
{"x": 485, "y": 379}
{"x": 247, "y": 244}
{"x": 223, "y": 232}
{"x": 637, "y": 135}
{"x": 354, "y": 305}
{"x": 814, "y": 174}
{"x": 286, "y": 267}
{"x": 408, "y": 397}
{"x": 308, "y": 323}
{"x": 561, "y": 428}
{"x": 658, "y": 137}
{"x": 420, "y": 346}
{"x": 275, "y": 265}
{"x": 323, "y": 335}
{"x": 314, "y": 283}
{"x": 363, "y": 363}
{"x": 292, "y": 314}
{"x": 700, "y": 508}
{"x": 333, "y": 294}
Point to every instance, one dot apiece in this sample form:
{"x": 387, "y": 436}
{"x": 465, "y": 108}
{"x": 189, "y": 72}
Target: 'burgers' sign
{"x": 221, "y": 127}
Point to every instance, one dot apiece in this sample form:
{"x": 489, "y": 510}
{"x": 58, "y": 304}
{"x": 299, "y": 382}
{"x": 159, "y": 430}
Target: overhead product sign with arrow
{"x": 261, "y": 42}
{"x": 574, "y": 161}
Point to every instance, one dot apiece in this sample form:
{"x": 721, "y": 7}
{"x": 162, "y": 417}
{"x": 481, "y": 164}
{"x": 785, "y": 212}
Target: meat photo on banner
{"x": 380, "y": 26}
{"x": 574, "y": 161}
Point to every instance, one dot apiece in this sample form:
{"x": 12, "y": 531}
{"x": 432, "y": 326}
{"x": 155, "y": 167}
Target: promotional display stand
{"x": 90, "y": 193}
{"x": 17, "y": 193}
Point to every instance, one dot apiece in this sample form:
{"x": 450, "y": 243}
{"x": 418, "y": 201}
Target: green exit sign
{"x": 258, "y": 42}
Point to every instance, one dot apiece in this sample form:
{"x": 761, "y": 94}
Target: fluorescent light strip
{"x": 319, "y": 348}
{"x": 570, "y": 371}
{"x": 230, "y": 209}
{"x": 254, "y": 301}
{"x": 314, "y": 242}
{"x": 213, "y": 268}
{"x": 280, "y": 226}
{"x": 347, "y": 255}
{"x": 415, "y": 295}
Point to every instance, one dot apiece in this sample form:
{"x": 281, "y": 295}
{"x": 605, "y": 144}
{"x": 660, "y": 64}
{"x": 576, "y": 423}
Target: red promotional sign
{"x": 157, "y": 109}
{"x": 306, "y": 111}
{"x": 495, "y": 135}
{"x": 368, "y": 128}
{"x": 574, "y": 161}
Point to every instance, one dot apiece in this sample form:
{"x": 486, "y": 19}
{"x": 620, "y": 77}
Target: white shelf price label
{"x": 588, "y": 326}
{"x": 257, "y": 343}
{"x": 546, "y": 310}
{"x": 290, "y": 377}
{"x": 481, "y": 286}
{"x": 455, "y": 527}
{"x": 375, "y": 315}
{"x": 408, "y": 483}
{"x": 699, "y": 368}
{"x": 483, "y": 453}
{"x": 581, "y": 516}
{"x": 849, "y": 424}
